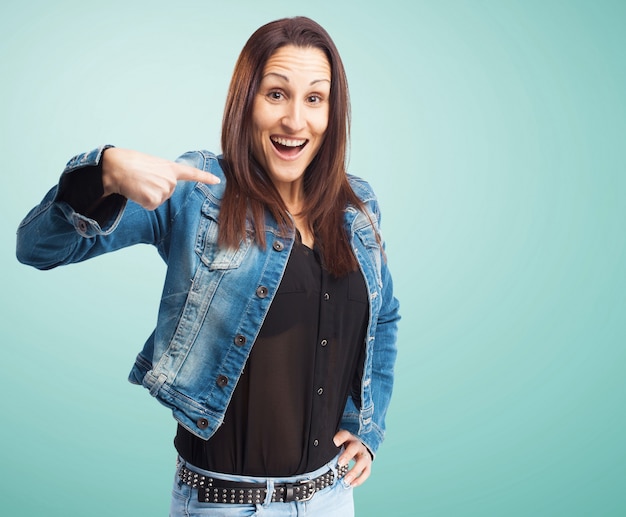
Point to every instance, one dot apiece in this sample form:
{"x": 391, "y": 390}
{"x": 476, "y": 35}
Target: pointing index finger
{"x": 189, "y": 173}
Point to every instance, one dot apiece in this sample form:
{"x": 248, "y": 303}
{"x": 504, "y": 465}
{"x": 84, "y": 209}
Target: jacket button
{"x": 222, "y": 380}
{"x": 261, "y": 291}
{"x": 278, "y": 246}
{"x": 240, "y": 340}
{"x": 202, "y": 423}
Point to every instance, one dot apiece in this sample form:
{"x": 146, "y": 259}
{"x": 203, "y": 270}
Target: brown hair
{"x": 249, "y": 188}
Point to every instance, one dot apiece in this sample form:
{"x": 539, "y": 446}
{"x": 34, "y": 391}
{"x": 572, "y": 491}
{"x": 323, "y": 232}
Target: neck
{"x": 304, "y": 228}
{"x": 293, "y": 197}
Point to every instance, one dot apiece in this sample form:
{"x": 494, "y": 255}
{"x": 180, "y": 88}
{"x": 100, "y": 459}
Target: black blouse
{"x": 306, "y": 361}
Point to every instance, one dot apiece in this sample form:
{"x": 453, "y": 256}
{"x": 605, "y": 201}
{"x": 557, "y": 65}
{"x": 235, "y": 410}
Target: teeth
{"x": 288, "y": 142}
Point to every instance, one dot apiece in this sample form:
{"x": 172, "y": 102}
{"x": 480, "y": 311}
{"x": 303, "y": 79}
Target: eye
{"x": 275, "y": 95}
{"x": 314, "y": 99}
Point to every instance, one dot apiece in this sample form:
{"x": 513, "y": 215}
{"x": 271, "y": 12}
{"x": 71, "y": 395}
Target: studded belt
{"x": 211, "y": 490}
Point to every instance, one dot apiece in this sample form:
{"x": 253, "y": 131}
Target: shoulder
{"x": 209, "y": 162}
{"x": 365, "y": 193}
{"x": 362, "y": 188}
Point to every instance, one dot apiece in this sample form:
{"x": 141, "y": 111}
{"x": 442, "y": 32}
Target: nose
{"x": 293, "y": 118}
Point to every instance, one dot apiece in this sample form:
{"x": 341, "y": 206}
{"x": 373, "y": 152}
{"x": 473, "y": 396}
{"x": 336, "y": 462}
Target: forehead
{"x": 306, "y": 62}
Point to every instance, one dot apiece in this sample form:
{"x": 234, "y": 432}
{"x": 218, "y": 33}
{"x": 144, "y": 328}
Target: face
{"x": 290, "y": 115}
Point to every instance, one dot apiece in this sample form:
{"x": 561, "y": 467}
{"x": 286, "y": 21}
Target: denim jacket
{"x": 215, "y": 300}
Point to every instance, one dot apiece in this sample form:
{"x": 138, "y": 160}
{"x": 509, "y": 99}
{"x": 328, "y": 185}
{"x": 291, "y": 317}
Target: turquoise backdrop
{"x": 494, "y": 133}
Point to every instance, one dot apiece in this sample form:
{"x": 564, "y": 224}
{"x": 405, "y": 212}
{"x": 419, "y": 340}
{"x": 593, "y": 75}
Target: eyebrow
{"x": 287, "y": 78}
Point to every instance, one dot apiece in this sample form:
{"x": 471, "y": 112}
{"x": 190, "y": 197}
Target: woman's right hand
{"x": 145, "y": 179}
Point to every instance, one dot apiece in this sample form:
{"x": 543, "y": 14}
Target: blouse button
{"x": 240, "y": 340}
{"x": 320, "y": 391}
{"x": 324, "y": 342}
{"x": 202, "y": 423}
{"x": 278, "y": 246}
{"x": 316, "y": 443}
{"x": 261, "y": 291}
{"x": 222, "y": 381}
{"x": 326, "y": 296}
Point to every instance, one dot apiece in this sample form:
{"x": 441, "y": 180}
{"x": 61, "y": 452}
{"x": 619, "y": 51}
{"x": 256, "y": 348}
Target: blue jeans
{"x": 333, "y": 501}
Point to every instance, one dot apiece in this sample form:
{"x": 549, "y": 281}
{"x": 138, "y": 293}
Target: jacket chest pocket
{"x": 207, "y": 249}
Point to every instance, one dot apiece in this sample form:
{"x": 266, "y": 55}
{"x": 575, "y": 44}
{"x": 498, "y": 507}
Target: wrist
{"x": 109, "y": 185}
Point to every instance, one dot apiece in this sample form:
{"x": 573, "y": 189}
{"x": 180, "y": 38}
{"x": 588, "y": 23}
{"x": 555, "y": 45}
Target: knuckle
{"x": 153, "y": 201}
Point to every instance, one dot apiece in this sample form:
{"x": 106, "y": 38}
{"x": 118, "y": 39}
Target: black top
{"x": 289, "y": 400}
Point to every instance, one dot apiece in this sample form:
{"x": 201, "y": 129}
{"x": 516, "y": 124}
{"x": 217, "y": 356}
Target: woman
{"x": 271, "y": 245}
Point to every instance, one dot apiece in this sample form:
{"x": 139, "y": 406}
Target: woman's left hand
{"x": 354, "y": 450}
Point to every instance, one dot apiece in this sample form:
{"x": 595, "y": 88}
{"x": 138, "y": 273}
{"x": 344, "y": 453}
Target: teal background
{"x": 493, "y": 132}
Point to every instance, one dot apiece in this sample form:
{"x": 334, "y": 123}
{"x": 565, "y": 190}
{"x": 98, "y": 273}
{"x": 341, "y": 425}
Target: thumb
{"x": 341, "y": 437}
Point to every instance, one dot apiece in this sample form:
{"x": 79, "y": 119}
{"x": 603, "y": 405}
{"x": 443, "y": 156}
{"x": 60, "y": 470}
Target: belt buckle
{"x": 310, "y": 492}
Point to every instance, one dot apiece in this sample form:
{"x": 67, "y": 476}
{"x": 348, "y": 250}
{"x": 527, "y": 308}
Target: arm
{"x": 362, "y": 432}
{"x": 71, "y": 226}
{"x": 362, "y": 448}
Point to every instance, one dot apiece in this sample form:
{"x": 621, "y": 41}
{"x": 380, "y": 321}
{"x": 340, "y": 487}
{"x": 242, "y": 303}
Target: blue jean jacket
{"x": 215, "y": 300}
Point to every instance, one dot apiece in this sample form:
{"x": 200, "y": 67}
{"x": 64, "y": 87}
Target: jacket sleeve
{"x": 370, "y": 428}
{"x": 383, "y": 361}
{"x": 71, "y": 224}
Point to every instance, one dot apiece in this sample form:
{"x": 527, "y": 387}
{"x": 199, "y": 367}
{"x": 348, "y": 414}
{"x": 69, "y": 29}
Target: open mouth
{"x": 288, "y": 147}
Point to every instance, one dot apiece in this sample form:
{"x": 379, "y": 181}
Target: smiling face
{"x": 290, "y": 116}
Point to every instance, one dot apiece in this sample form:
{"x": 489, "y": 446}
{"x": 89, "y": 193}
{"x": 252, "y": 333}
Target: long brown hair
{"x": 249, "y": 190}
